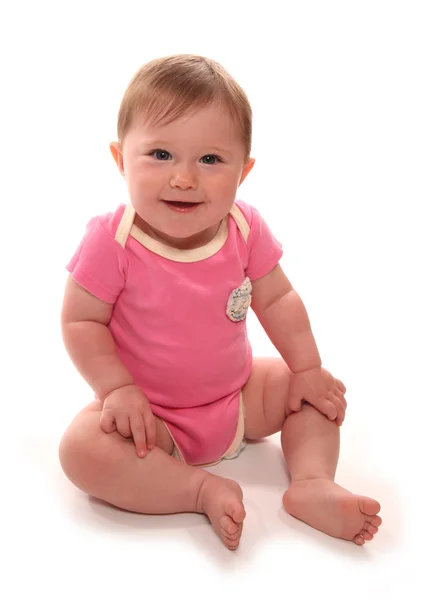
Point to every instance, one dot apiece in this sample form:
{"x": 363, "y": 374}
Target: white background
{"x": 342, "y": 94}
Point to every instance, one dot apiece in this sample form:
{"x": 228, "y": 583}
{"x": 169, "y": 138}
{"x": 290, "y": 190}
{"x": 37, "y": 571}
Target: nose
{"x": 183, "y": 178}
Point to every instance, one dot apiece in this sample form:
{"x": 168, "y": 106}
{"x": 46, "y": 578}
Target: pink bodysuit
{"x": 178, "y": 318}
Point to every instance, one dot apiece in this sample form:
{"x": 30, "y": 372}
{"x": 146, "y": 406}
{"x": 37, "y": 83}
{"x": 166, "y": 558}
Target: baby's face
{"x": 183, "y": 176}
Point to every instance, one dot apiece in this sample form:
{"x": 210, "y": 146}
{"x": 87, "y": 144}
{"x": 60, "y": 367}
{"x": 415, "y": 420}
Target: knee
{"x": 80, "y": 458}
{"x": 71, "y": 454}
{"x": 306, "y": 407}
{"x": 307, "y": 411}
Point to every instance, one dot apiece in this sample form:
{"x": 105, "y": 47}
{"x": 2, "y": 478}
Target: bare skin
{"x": 106, "y": 466}
{"x": 310, "y": 444}
{"x": 330, "y": 508}
{"x": 222, "y": 502}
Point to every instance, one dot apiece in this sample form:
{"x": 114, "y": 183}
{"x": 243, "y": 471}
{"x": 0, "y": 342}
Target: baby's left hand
{"x": 319, "y": 388}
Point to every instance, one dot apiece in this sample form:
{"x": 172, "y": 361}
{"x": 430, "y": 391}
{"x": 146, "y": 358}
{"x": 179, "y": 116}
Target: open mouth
{"x": 180, "y": 206}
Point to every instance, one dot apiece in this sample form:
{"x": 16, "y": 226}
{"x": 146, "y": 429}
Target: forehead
{"x": 211, "y": 125}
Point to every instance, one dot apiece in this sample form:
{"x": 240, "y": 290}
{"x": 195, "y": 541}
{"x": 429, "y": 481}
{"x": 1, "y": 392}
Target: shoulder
{"x": 263, "y": 250}
{"x": 100, "y": 264}
{"x": 256, "y": 226}
{"x": 246, "y": 209}
{"x": 108, "y": 222}
{"x": 250, "y": 213}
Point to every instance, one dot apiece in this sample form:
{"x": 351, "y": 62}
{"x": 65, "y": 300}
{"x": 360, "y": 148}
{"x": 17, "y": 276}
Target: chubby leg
{"x": 106, "y": 466}
{"x": 310, "y": 444}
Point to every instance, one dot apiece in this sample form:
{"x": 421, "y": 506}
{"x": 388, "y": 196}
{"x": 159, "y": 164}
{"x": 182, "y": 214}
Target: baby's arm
{"x": 282, "y": 314}
{"x": 92, "y": 349}
{"x": 89, "y": 342}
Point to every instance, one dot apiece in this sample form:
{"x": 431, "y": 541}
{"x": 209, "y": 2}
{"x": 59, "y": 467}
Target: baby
{"x": 154, "y": 319}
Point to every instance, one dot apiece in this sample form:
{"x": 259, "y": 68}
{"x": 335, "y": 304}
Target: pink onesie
{"x": 179, "y": 318}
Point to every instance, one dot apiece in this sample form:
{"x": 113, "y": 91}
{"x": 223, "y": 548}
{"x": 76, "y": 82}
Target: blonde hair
{"x": 167, "y": 88}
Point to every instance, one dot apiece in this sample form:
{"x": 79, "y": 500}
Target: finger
{"x": 332, "y": 411}
{"x": 151, "y": 431}
{"x": 340, "y": 411}
{"x": 327, "y": 407}
{"x": 294, "y": 402}
{"x": 137, "y": 425}
{"x": 335, "y": 391}
{"x": 340, "y": 386}
{"x": 107, "y": 422}
{"x": 123, "y": 425}
{"x": 336, "y": 398}
{"x": 341, "y": 398}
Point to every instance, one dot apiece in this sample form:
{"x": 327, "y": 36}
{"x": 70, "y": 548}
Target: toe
{"x": 369, "y": 506}
{"x": 232, "y": 546}
{"x": 366, "y": 535}
{"x": 357, "y": 539}
{"x": 231, "y": 541}
{"x": 372, "y": 529}
{"x": 236, "y": 511}
{"x": 229, "y": 528}
{"x": 375, "y": 520}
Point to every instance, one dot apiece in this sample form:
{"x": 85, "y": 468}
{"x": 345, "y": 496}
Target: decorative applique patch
{"x": 239, "y": 301}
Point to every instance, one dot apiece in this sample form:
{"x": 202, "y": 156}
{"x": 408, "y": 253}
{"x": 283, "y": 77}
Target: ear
{"x": 116, "y": 150}
{"x": 247, "y": 168}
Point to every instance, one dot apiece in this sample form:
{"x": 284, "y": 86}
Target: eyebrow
{"x": 155, "y": 143}
{"x": 164, "y": 143}
{"x": 220, "y": 150}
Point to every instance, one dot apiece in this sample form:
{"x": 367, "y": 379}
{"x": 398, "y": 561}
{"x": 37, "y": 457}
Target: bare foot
{"x": 330, "y": 508}
{"x": 221, "y": 500}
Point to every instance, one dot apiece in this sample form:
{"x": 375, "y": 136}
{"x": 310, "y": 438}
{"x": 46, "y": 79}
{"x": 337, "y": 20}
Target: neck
{"x": 190, "y": 243}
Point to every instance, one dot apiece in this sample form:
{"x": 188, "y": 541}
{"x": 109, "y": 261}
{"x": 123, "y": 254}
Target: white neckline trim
{"x": 127, "y": 227}
{"x": 186, "y": 256}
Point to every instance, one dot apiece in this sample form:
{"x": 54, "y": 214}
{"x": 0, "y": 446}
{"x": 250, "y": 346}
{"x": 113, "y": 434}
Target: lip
{"x": 183, "y": 209}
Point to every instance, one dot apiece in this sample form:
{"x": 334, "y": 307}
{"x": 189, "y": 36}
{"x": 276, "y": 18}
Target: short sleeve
{"x": 264, "y": 251}
{"x": 99, "y": 264}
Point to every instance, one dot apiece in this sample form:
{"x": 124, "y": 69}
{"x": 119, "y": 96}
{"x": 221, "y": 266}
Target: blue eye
{"x": 161, "y": 154}
{"x": 210, "y": 159}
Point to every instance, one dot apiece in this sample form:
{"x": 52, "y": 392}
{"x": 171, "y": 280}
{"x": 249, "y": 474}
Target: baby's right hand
{"x": 127, "y": 410}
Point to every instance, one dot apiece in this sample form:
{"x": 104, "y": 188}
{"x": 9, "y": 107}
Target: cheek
{"x": 143, "y": 179}
{"x": 231, "y": 189}
{"x": 224, "y": 184}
